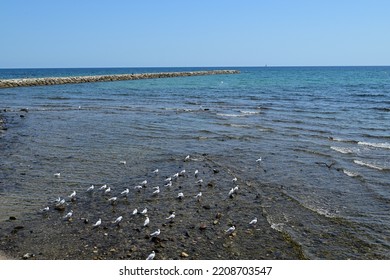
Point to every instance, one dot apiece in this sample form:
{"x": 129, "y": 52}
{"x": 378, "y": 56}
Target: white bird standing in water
{"x": 169, "y": 184}
{"x": 231, "y": 192}
{"x": 258, "y": 160}
{"x": 155, "y": 171}
{"x": 112, "y": 199}
{"x": 196, "y": 173}
{"x": 118, "y": 220}
{"x": 151, "y": 256}
{"x": 45, "y": 209}
{"x": 156, "y": 233}
{"x": 187, "y": 158}
{"x": 200, "y": 181}
{"x": 181, "y": 173}
{"x": 180, "y": 195}
{"x": 146, "y": 223}
{"x": 69, "y": 215}
{"x": 171, "y": 216}
{"x": 230, "y": 230}
{"x": 125, "y": 192}
{"x": 234, "y": 179}
{"x": 198, "y": 196}
{"x": 72, "y": 195}
{"x": 98, "y": 223}
{"x": 144, "y": 183}
{"x": 138, "y": 188}
{"x": 157, "y": 191}
{"x": 144, "y": 211}
{"x": 107, "y": 190}
{"x": 103, "y": 187}
{"x": 57, "y": 175}
{"x": 253, "y": 222}
{"x": 91, "y": 188}
{"x": 135, "y": 211}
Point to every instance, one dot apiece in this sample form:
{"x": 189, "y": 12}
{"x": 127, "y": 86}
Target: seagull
{"x": 171, "y": 216}
{"x": 157, "y": 191}
{"x": 151, "y": 256}
{"x": 125, "y": 192}
{"x": 112, "y": 199}
{"x": 57, "y": 175}
{"x": 182, "y": 172}
{"x": 231, "y": 192}
{"x": 174, "y": 176}
{"x": 169, "y": 184}
{"x": 196, "y": 173}
{"x": 180, "y": 195}
{"x": 155, "y": 171}
{"x": 135, "y": 211}
{"x": 72, "y": 195}
{"x": 253, "y": 222}
{"x": 258, "y": 160}
{"x": 138, "y": 187}
{"x": 122, "y": 162}
{"x": 187, "y": 158}
{"x": 91, "y": 188}
{"x": 144, "y": 211}
{"x": 107, "y": 190}
{"x": 118, "y": 220}
{"x": 200, "y": 181}
{"x": 58, "y": 200}
{"x": 67, "y": 216}
{"x": 230, "y": 230}
{"x": 144, "y": 183}
{"x": 198, "y": 195}
{"x": 234, "y": 180}
{"x": 146, "y": 221}
{"x": 103, "y": 187}
{"x": 168, "y": 179}
{"x": 156, "y": 233}
{"x": 235, "y": 189}
{"x": 98, "y": 223}
{"x": 62, "y": 201}
{"x": 45, "y": 209}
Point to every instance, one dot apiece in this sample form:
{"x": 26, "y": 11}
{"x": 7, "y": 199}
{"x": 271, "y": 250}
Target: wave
{"x": 375, "y": 145}
{"x": 230, "y": 115}
{"x": 342, "y": 150}
{"x": 370, "y": 165}
{"x": 350, "y": 173}
{"x": 342, "y": 140}
{"x": 250, "y": 112}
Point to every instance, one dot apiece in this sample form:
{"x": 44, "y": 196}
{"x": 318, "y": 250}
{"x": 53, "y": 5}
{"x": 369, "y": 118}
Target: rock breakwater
{"x": 5, "y": 83}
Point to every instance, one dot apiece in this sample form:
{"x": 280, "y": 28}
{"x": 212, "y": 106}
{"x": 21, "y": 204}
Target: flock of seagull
{"x": 60, "y": 203}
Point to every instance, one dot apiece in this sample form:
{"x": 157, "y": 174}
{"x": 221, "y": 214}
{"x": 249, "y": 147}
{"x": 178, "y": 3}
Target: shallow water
{"x": 322, "y": 135}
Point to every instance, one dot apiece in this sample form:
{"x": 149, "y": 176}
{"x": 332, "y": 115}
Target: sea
{"x": 313, "y": 143}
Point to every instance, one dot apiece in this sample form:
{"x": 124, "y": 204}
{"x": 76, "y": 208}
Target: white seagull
{"x": 258, "y": 160}
{"x": 98, "y": 223}
{"x": 198, "y": 195}
{"x": 138, "y": 187}
{"x": 253, "y": 222}
{"x": 155, "y": 171}
{"x": 107, "y": 190}
{"x": 231, "y": 192}
{"x": 169, "y": 184}
{"x": 187, "y": 158}
{"x": 168, "y": 179}
{"x": 196, "y": 173}
{"x": 171, "y": 216}
{"x": 125, "y": 192}
{"x": 230, "y": 230}
{"x": 112, "y": 199}
{"x": 57, "y": 175}
{"x": 151, "y": 256}
{"x": 45, "y": 209}
{"x": 67, "y": 216}
{"x": 91, "y": 188}
{"x": 144, "y": 211}
{"x": 135, "y": 211}
{"x": 157, "y": 191}
{"x": 144, "y": 183}
{"x": 182, "y": 172}
{"x": 234, "y": 179}
{"x": 200, "y": 181}
{"x": 174, "y": 176}
{"x": 103, "y": 187}
{"x": 180, "y": 195}
{"x": 72, "y": 195}
{"x": 146, "y": 223}
{"x": 122, "y": 162}
{"x": 156, "y": 233}
{"x": 118, "y": 220}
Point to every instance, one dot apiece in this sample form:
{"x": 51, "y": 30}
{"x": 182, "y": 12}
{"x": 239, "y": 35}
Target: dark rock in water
{"x": 215, "y": 171}
{"x": 12, "y": 218}
{"x": 207, "y": 207}
{"x": 218, "y": 216}
{"x": 202, "y": 226}
{"x": 211, "y": 184}
{"x": 24, "y": 110}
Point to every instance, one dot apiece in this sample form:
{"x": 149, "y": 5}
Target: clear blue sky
{"x": 119, "y": 33}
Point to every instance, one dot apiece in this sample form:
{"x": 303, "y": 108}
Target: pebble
{"x": 184, "y": 255}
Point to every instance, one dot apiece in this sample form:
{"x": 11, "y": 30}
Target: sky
{"x": 180, "y": 33}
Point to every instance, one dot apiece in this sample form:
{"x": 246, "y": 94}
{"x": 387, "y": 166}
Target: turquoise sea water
{"x": 322, "y": 133}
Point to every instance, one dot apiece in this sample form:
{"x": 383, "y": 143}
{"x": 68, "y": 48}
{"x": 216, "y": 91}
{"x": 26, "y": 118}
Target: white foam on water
{"x": 350, "y": 173}
{"x": 370, "y": 165}
{"x": 375, "y": 145}
{"x": 342, "y": 150}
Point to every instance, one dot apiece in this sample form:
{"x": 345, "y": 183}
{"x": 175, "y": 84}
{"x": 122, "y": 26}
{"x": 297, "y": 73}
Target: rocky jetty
{"x": 5, "y": 83}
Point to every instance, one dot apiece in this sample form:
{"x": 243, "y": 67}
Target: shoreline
{"x": 7, "y": 83}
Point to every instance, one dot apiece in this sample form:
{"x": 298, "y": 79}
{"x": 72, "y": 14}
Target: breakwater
{"x": 26, "y": 82}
